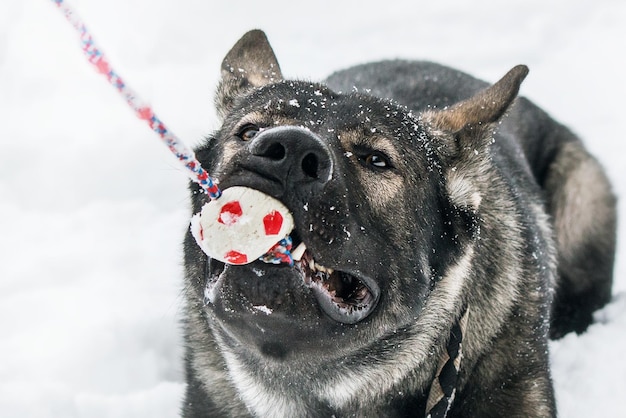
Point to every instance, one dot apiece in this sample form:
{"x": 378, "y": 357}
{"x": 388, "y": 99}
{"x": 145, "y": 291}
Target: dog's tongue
{"x": 241, "y": 226}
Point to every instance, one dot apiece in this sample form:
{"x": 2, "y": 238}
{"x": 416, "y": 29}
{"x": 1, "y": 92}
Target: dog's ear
{"x": 250, "y": 63}
{"x": 470, "y": 120}
{"x": 463, "y": 133}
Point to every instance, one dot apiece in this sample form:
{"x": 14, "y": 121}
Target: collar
{"x": 444, "y": 385}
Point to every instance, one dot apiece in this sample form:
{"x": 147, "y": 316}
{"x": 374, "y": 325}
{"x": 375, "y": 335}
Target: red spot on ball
{"x": 272, "y": 222}
{"x": 230, "y": 213}
{"x": 235, "y": 257}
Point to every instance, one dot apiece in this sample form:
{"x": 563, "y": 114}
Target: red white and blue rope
{"x": 184, "y": 154}
{"x": 280, "y": 253}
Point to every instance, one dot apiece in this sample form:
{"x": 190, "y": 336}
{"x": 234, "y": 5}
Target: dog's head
{"x": 386, "y": 202}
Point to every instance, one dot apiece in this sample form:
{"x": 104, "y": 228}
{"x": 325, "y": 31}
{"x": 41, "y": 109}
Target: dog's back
{"x": 576, "y": 190}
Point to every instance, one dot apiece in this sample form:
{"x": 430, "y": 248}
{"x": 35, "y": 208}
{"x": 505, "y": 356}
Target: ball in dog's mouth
{"x": 241, "y": 226}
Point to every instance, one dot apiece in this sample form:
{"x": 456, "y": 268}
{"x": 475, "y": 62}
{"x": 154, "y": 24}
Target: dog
{"x": 446, "y": 229}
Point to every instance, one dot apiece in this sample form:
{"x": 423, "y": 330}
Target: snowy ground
{"x": 93, "y": 208}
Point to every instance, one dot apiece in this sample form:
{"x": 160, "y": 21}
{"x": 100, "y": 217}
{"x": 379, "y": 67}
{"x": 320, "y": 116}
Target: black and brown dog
{"x": 449, "y": 230}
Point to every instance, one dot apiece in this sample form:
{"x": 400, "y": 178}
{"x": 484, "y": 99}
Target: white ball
{"x": 241, "y": 225}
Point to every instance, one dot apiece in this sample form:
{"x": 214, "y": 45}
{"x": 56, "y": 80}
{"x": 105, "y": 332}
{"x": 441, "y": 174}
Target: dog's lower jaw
{"x": 345, "y": 296}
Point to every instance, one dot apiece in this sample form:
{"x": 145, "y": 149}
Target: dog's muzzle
{"x": 296, "y": 166}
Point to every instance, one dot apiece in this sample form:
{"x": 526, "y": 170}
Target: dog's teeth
{"x": 313, "y": 266}
{"x": 323, "y": 269}
{"x": 298, "y": 252}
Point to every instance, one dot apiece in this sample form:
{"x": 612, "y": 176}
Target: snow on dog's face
{"x": 335, "y": 163}
{"x": 376, "y": 224}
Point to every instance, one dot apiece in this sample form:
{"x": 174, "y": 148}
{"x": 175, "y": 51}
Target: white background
{"x": 93, "y": 209}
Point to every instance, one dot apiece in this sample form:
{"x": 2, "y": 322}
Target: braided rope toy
{"x": 249, "y": 223}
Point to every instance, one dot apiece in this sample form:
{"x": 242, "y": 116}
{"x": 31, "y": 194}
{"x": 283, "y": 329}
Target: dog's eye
{"x": 247, "y": 132}
{"x": 377, "y": 160}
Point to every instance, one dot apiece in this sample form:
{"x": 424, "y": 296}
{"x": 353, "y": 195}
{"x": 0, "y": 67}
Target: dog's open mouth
{"x": 343, "y": 296}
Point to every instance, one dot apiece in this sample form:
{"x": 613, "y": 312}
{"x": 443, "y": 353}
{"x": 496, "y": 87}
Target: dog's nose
{"x": 294, "y": 156}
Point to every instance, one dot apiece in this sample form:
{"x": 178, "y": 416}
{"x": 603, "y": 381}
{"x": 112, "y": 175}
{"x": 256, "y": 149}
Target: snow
{"x": 264, "y": 309}
{"x": 93, "y": 209}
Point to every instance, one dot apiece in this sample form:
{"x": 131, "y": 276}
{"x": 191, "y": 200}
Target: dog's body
{"x": 415, "y": 213}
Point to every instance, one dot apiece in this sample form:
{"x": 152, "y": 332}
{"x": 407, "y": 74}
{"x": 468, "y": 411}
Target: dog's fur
{"x": 432, "y": 193}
